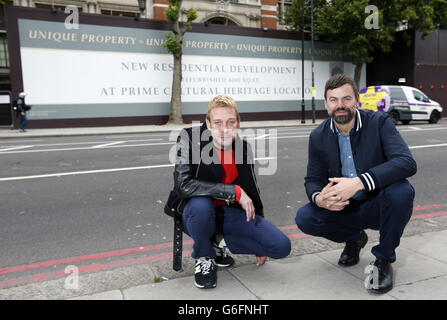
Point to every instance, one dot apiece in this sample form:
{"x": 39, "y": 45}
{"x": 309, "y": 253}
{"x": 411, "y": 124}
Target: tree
{"x": 174, "y": 45}
{"x": 365, "y": 26}
{"x": 440, "y": 8}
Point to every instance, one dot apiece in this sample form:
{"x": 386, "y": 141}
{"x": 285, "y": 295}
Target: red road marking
{"x": 85, "y": 269}
{"x": 429, "y": 215}
{"x": 298, "y": 236}
{"x": 94, "y": 256}
{"x": 428, "y": 207}
{"x": 288, "y": 228}
{"x": 134, "y": 261}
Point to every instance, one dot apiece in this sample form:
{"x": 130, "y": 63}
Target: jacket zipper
{"x": 254, "y": 179}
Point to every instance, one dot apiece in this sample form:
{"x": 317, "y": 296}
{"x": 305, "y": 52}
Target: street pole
{"x": 302, "y": 62}
{"x": 312, "y": 40}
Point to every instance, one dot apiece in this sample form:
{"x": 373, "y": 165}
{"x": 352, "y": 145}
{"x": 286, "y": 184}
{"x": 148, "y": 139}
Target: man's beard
{"x": 342, "y": 119}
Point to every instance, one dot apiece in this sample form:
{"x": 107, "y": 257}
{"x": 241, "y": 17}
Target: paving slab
{"x": 108, "y": 295}
{"x": 409, "y": 267}
{"x": 304, "y": 277}
{"x": 432, "y": 289}
{"x": 228, "y": 287}
{"x": 431, "y": 244}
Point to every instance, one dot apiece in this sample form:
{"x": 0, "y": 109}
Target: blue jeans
{"x": 201, "y": 220}
{"x": 23, "y": 121}
{"x": 388, "y": 212}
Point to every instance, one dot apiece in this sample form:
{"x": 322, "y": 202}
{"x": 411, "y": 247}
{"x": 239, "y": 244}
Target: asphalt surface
{"x": 94, "y": 197}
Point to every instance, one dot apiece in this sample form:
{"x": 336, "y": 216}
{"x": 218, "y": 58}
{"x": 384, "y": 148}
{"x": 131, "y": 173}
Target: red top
{"x": 229, "y": 172}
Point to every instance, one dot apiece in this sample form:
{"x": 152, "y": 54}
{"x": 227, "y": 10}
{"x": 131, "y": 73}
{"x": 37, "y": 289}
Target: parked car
{"x": 402, "y": 103}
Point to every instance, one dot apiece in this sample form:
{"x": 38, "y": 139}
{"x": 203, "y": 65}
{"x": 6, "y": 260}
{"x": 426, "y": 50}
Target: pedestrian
{"x": 356, "y": 179}
{"x": 217, "y": 195}
{"x": 22, "y": 109}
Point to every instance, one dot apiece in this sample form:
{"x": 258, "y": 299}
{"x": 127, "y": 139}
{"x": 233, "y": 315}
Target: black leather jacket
{"x": 198, "y": 172}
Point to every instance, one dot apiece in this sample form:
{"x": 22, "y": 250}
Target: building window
{"x": 222, "y": 21}
{"x": 283, "y": 5}
{"x": 4, "y": 58}
{"x": 57, "y": 7}
{"x": 119, "y": 13}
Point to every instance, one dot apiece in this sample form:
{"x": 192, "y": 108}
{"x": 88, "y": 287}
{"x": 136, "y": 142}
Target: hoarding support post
{"x": 313, "y": 82}
{"x": 302, "y": 62}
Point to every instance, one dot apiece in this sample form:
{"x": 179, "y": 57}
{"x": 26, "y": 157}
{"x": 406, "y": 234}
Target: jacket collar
{"x": 357, "y": 122}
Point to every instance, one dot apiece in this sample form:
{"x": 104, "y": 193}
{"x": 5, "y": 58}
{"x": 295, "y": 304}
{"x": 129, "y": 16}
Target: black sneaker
{"x": 205, "y": 275}
{"x": 222, "y": 259}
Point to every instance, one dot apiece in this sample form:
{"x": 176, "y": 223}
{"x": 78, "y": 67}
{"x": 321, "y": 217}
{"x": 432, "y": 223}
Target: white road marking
{"x": 60, "y": 174}
{"x": 87, "y": 148}
{"x": 15, "y": 148}
{"x": 119, "y": 144}
{"x": 429, "y": 146}
{"x": 107, "y": 144}
{"x": 22, "y": 141}
{"x": 74, "y": 173}
{"x": 262, "y": 136}
{"x": 425, "y": 129}
{"x": 87, "y": 142}
{"x": 289, "y": 137}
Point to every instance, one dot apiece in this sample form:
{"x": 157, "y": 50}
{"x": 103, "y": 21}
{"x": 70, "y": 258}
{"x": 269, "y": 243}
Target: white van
{"x": 402, "y": 103}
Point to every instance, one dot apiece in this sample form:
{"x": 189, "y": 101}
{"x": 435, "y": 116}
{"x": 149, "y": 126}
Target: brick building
{"x": 243, "y": 13}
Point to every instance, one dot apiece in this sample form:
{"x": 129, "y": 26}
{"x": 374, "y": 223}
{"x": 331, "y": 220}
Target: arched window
{"x": 222, "y": 21}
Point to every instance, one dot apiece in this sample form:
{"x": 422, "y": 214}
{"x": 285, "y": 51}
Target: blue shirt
{"x": 348, "y": 169}
{"x": 347, "y": 161}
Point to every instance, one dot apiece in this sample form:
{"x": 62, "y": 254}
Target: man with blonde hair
{"x": 217, "y": 196}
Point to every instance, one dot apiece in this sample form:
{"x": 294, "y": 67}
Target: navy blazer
{"x": 381, "y": 156}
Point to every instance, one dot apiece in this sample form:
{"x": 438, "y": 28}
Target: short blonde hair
{"x": 222, "y": 101}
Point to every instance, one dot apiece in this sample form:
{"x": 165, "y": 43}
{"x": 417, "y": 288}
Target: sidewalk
{"x": 59, "y": 132}
{"x": 420, "y": 272}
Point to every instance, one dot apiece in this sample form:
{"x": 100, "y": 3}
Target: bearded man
{"x": 356, "y": 180}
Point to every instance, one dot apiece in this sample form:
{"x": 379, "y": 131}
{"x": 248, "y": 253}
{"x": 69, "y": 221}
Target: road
{"x": 101, "y": 198}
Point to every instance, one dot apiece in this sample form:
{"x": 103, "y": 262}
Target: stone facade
{"x": 242, "y": 13}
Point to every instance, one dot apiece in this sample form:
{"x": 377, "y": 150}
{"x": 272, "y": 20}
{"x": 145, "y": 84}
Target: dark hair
{"x": 338, "y": 80}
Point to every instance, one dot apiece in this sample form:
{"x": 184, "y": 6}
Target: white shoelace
{"x": 204, "y": 266}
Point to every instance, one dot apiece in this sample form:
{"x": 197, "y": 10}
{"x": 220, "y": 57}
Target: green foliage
{"x": 293, "y": 17}
{"x": 440, "y": 12}
{"x": 192, "y": 15}
{"x": 172, "y": 45}
{"x": 172, "y": 13}
{"x": 175, "y": 38}
{"x": 343, "y": 22}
